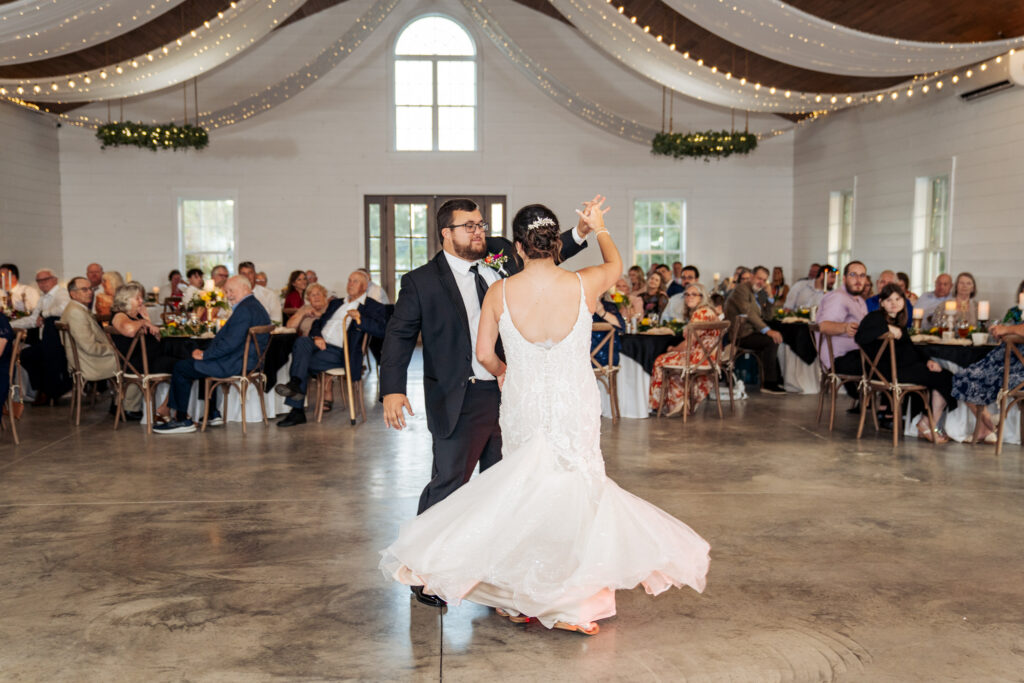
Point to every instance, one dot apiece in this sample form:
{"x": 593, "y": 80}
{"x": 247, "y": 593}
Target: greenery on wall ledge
{"x": 163, "y": 136}
{"x": 707, "y": 145}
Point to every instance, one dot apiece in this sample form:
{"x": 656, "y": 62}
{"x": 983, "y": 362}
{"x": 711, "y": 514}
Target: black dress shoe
{"x": 289, "y": 390}
{"x": 295, "y": 417}
{"x": 41, "y": 399}
{"x": 133, "y": 416}
{"x": 426, "y": 599}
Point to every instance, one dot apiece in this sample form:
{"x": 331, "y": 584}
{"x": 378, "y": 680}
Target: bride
{"x": 544, "y": 533}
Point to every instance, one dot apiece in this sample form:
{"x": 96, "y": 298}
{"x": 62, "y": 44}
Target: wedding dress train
{"x": 544, "y": 532}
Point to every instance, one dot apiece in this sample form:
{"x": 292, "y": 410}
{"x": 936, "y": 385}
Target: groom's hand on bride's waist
{"x": 393, "y": 415}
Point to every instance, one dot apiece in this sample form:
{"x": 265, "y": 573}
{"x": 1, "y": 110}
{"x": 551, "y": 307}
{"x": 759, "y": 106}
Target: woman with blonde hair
{"x": 129, "y": 315}
{"x": 697, "y": 309}
{"x": 105, "y": 299}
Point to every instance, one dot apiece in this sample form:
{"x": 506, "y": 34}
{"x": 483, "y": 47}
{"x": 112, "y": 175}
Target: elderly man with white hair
{"x": 51, "y": 303}
{"x": 222, "y": 358}
{"x": 323, "y": 349}
{"x": 43, "y": 358}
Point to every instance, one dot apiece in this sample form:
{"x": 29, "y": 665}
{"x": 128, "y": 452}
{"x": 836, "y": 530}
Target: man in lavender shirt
{"x": 840, "y": 313}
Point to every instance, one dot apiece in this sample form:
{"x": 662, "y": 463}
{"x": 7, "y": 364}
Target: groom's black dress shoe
{"x": 289, "y": 390}
{"x": 428, "y": 600}
{"x": 295, "y": 417}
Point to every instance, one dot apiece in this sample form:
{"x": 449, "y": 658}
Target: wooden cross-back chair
{"x": 252, "y": 374}
{"x": 727, "y": 360}
{"x": 14, "y": 392}
{"x": 78, "y": 381}
{"x": 353, "y": 389}
{"x": 874, "y": 382}
{"x": 1010, "y": 396}
{"x": 128, "y": 374}
{"x": 830, "y": 381}
{"x": 699, "y": 337}
{"x": 607, "y": 373}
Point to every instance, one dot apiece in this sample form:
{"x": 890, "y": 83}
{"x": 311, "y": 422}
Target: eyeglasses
{"x": 688, "y": 294}
{"x": 46, "y": 279}
{"x": 470, "y": 228}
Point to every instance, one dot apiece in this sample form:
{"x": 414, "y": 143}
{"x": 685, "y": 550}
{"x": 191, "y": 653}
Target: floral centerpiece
{"x": 676, "y": 326}
{"x": 620, "y": 300}
{"x": 804, "y": 313}
{"x": 204, "y": 302}
{"x": 188, "y": 328}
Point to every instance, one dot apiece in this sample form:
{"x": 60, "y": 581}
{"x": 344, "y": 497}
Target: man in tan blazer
{"x": 95, "y": 355}
{"x": 753, "y": 332}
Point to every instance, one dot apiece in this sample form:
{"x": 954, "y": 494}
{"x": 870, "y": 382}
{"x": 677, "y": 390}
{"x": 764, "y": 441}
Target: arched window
{"x": 435, "y": 86}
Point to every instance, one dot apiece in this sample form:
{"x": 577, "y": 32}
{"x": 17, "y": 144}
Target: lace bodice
{"x": 550, "y": 390}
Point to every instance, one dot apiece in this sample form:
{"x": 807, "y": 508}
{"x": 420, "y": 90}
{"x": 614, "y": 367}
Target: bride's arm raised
{"x": 597, "y": 279}
{"x": 487, "y": 333}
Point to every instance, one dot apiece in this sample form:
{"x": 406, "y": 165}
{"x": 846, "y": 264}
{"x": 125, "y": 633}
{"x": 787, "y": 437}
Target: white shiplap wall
{"x": 300, "y": 171}
{"x": 886, "y": 147}
{"x": 30, "y": 210}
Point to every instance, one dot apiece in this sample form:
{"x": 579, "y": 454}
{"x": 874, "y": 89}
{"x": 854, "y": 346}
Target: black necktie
{"x": 481, "y": 283}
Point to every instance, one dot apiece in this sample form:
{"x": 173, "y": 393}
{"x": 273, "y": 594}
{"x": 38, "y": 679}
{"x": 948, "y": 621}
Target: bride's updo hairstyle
{"x": 535, "y": 229}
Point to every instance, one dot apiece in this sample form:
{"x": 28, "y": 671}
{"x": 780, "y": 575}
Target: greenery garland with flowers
{"x": 705, "y": 145}
{"x": 162, "y": 136}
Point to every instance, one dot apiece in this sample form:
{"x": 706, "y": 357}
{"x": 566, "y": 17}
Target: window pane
{"x": 657, "y": 238}
{"x": 375, "y": 256}
{"x": 497, "y": 219}
{"x": 374, "y": 220}
{"x": 419, "y": 251}
{"x": 642, "y": 239}
{"x": 641, "y": 212}
{"x": 419, "y": 220}
{"x": 402, "y": 255}
{"x": 456, "y": 128}
{"x": 674, "y": 214}
{"x": 434, "y": 36}
{"x": 414, "y": 82}
{"x": 456, "y": 83}
{"x": 673, "y": 239}
{"x": 413, "y": 128}
{"x": 403, "y": 222}
{"x": 207, "y": 232}
{"x": 657, "y": 214}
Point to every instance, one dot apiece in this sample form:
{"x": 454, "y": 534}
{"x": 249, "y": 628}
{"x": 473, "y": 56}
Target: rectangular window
{"x": 659, "y": 231}
{"x": 931, "y": 231}
{"x": 206, "y": 233}
{"x": 435, "y": 104}
{"x": 840, "y": 228}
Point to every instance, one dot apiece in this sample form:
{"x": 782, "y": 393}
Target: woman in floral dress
{"x": 698, "y": 309}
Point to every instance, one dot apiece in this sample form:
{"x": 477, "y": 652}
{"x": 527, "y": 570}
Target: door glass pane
{"x": 403, "y": 220}
{"x": 419, "y": 219}
{"x": 374, "y": 220}
{"x": 497, "y": 219}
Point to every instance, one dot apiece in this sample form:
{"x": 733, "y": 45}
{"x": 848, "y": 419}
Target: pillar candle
{"x": 918, "y": 313}
{"x": 129, "y": 276}
{"x": 1020, "y": 301}
{"x": 951, "y": 306}
{"x": 982, "y": 310}
{"x": 718, "y": 276}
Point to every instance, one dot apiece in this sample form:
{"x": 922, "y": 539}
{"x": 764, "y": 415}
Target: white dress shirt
{"x": 803, "y": 294}
{"x": 270, "y": 300}
{"x": 334, "y": 330}
{"x": 24, "y": 297}
{"x": 466, "y": 282}
{"x": 676, "y": 308}
{"x": 50, "y": 305}
{"x": 377, "y": 293}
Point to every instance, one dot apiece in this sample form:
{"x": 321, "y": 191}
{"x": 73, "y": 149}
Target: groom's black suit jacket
{"x": 430, "y": 302}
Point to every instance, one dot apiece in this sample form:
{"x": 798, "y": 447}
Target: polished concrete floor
{"x": 218, "y": 557}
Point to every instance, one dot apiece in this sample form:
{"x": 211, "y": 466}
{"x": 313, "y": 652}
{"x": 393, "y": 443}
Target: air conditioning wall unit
{"x": 1007, "y": 74}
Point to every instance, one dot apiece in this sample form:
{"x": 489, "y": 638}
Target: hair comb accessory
{"x": 539, "y": 223}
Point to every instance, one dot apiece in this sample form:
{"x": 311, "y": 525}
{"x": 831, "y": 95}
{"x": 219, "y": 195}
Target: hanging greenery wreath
{"x": 707, "y": 145}
{"x": 163, "y": 136}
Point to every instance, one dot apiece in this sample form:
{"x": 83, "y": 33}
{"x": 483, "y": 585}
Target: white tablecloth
{"x": 797, "y": 376}
{"x": 274, "y": 403}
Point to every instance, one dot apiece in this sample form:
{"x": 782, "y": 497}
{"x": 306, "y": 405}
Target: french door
{"x": 401, "y": 232}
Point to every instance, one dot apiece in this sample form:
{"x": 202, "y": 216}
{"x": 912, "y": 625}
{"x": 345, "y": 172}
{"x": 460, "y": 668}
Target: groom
{"x": 441, "y": 300}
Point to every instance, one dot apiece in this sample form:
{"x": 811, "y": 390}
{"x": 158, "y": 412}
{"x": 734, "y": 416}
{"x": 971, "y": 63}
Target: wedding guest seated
{"x": 637, "y": 283}
{"x": 812, "y": 272}
{"x": 885, "y": 278}
{"x": 218, "y": 278}
{"x": 698, "y": 310}
{"x": 193, "y": 287}
{"x": 222, "y": 358}
{"x": 779, "y": 288}
{"x": 913, "y": 366}
{"x": 904, "y": 281}
{"x": 175, "y": 286}
{"x": 323, "y": 349}
{"x": 43, "y": 358}
{"x": 666, "y": 280}
{"x": 676, "y": 308}
{"x": 718, "y": 303}
{"x": 316, "y": 305}
{"x": 869, "y": 288}
{"x": 688, "y": 276}
{"x": 1013, "y": 314}
{"x": 295, "y": 292}
{"x": 6, "y": 351}
{"x": 807, "y": 293}
{"x": 270, "y": 300}
{"x": 311, "y": 277}
{"x": 929, "y": 301}
{"x": 609, "y": 313}
{"x": 753, "y": 332}
{"x": 654, "y": 298}
{"x": 129, "y": 316}
{"x": 979, "y": 384}
{"x": 94, "y": 273}
{"x": 375, "y": 292}
{"x": 105, "y": 298}
{"x": 839, "y": 315}
{"x": 23, "y": 298}
{"x": 964, "y": 292}
{"x": 95, "y": 357}
{"x": 261, "y": 279}
{"x": 675, "y": 279}
{"x": 741, "y": 274}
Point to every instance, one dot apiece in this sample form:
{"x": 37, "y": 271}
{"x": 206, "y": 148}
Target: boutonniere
{"x": 497, "y": 261}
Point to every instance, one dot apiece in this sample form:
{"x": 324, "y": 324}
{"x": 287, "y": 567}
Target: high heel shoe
{"x": 515, "y": 619}
{"x": 589, "y": 629}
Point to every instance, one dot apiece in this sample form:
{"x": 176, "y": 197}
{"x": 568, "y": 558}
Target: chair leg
{"x": 874, "y": 409}
{"x": 833, "y": 392}
{"x": 359, "y": 396}
{"x": 664, "y": 389}
{"x": 1003, "y": 410}
{"x": 686, "y": 395}
{"x": 821, "y": 401}
{"x": 897, "y": 422}
{"x": 863, "y": 412}
{"x": 206, "y": 403}
{"x": 261, "y": 388}
{"x": 321, "y": 393}
{"x": 242, "y": 390}
{"x": 613, "y": 383}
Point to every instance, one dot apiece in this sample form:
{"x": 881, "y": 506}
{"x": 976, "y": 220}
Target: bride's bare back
{"x": 543, "y": 302}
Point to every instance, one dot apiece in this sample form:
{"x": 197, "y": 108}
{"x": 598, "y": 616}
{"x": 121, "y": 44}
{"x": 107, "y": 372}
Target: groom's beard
{"x": 471, "y": 251}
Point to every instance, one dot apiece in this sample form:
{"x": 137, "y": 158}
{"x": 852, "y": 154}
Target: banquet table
{"x": 797, "y": 358}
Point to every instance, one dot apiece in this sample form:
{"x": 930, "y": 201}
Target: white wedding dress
{"x": 544, "y": 533}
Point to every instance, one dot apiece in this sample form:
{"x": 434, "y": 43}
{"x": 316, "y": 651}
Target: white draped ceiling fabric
{"x": 639, "y": 50}
{"x": 786, "y": 34}
{"x": 31, "y": 30}
{"x": 208, "y": 46}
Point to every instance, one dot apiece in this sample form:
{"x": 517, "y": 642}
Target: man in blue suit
{"x": 222, "y": 358}
{"x": 323, "y": 349}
